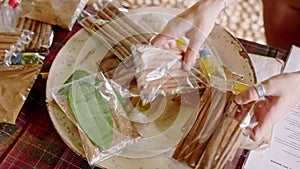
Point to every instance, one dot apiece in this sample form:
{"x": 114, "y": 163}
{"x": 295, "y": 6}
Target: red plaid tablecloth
{"x": 34, "y": 143}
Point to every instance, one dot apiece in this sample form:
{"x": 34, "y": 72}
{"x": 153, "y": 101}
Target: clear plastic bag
{"x": 160, "y": 72}
{"x": 14, "y": 46}
{"x": 43, "y": 34}
{"x": 112, "y": 23}
{"x": 215, "y": 136}
{"x": 95, "y": 105}
{"x": 8, "y": 16}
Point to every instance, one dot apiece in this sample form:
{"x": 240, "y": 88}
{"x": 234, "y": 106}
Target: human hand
{"x": 195, "y": 23}
{"x": 282, "y": 93}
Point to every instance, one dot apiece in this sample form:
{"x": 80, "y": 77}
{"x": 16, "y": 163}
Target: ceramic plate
{"x": 84, "y": 51}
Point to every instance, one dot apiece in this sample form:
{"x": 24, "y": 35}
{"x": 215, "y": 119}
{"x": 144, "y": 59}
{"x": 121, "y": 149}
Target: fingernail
{"x": 238, "y": 99}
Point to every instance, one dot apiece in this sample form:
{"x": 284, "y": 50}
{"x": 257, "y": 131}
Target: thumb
{"x": 159, "y": 40}
{"x": 189, "y": 58}
{"x": 247, "y": 96}
{"x": 192, "y": 51}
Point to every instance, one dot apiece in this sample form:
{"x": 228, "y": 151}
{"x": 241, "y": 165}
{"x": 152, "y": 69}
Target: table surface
{"x": 32, "y": 142}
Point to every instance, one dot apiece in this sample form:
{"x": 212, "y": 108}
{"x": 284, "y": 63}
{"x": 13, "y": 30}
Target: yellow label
{"x": 207, "y": 65}
{"x": 239, "y": 87}
{"x": 181, "y": 43}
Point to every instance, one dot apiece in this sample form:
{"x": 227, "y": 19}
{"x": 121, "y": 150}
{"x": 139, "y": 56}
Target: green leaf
{"x": 76, "y": 75}
{"x": 92, "y": 113}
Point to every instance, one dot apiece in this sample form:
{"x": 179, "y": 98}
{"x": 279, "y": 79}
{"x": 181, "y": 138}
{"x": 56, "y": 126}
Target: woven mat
{"x": 243, "y": 19}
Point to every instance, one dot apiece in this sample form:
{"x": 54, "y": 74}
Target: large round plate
{"x": 83, "y": 51}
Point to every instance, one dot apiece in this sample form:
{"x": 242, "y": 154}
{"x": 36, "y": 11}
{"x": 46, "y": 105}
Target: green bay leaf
{"x": 92, "y": 113}
{"x": 77, "y": 74}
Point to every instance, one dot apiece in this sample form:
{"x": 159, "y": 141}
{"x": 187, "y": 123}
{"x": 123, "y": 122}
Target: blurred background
{"x": 243, "y": 19}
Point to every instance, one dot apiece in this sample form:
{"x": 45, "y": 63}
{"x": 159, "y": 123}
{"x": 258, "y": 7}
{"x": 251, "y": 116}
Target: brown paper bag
{"x": 55, "y": 12}
{"x": 15, "y": 84}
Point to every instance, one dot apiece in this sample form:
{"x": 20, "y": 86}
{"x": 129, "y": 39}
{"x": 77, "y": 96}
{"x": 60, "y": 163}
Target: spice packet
{"x": 14, "y": 45}
{"x": 97, "y": 108}
{"x": 116, "y": 27}
{"x": 43, "y": 35}
{"x": 15, "y": 84}
{"x": 215, "y": 137}
{"x": 54, "y": 12}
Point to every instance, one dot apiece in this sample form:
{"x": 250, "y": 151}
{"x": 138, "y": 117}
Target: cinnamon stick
{"x": 109, "y": 64}
{"x": 119, "y": 50}
{"x": 9, "y": 39}
{"x": 132, "y": 28}
{"x": 144, "y": 30}
{"x": 117, "y": 26}
{"x": 183, "y": 146}
{"x": 31, "y": 28}
{"x": 220, "y": 137}
{"x": 211, "y": 156}
{"x": 37, "y": 34}
{"x": 21, "y": 23}
{"x": 41, "y": 35}
{"x": 13, "y": 34}
{"x": 47, "y": 35}
{"x": 208, "y": 126}
{"x": 233, "y": 140}
{"x": 114, "y": 36}
{"x": 6, "y": 46}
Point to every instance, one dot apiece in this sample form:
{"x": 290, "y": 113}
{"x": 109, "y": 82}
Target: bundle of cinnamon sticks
{"x": 8, "y": 39}
{"x": 214, "y": 137}
{"x": 118, "y": 30}
{"x": 42, "y": 34}
{"x": 41, "y": 41}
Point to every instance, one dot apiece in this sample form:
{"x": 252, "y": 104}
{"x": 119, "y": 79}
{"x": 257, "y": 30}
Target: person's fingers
{"x": 192, "y": 53}
{"x": 174, "y": 28}
{"x": 189, "y": 58}
{"x": 160, "y": 40}
{"x": 267, "y": 88}
{"x": 247, "y": 96}
{"x": 260, "y": 130}
{"x": 256, "y": 133}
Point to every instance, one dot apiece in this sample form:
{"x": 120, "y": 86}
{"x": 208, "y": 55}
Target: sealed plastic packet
{"x": 18, "y": 72}
{"x": 96, "y": 107}
{"x": 43, "y": 34}
{"x": 12, "y": 23}
{"x": 116, "y": 26}
{"x": 159, "y": 72}
{"x": 12, "y": 55}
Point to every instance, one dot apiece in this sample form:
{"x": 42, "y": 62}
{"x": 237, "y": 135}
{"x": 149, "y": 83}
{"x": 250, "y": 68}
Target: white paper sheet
{"x": 284, "y": 151}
